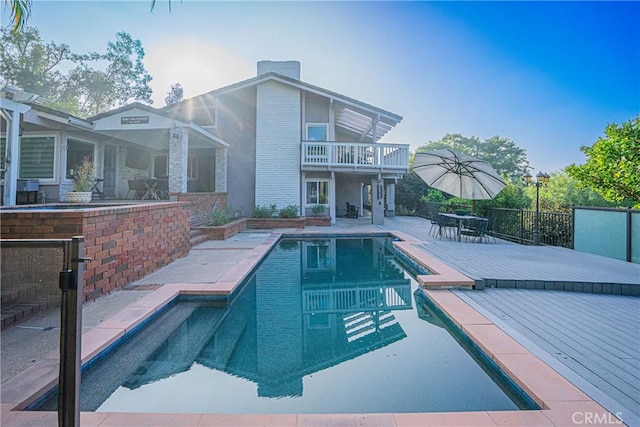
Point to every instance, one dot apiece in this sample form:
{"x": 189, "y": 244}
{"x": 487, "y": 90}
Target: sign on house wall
{"x": 134, "y": 120}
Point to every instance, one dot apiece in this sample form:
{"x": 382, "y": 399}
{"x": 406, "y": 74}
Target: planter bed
{"x": 321, "y": 221}
{"x": 223, "y": 232}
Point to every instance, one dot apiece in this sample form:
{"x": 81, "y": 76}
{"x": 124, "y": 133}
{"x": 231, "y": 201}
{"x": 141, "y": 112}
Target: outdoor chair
{"x": 435, "y": 226}
{"x": 96, "y": 188}
{"x": 489, "y": 232}
{"x": 433, "y": 217}
{"x": 446, "y": 226}
{"x": 475, "y": 229}
{"x": 138, "y": 188}
{"x": 352, "y": 211}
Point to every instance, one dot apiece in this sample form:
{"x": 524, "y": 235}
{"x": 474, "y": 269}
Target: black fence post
{"x": 573, "y": 226}
{"x": 628, "y": 233}
{"x": 71, "y": 333}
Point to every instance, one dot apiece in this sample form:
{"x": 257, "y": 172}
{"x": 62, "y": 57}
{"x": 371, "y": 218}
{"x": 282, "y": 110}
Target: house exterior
{"x": 269, "y": 140}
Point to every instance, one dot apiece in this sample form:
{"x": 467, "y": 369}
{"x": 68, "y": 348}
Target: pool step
{"x": 224, "y": 343}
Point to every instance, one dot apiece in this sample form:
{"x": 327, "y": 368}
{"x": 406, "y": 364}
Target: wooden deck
{"x": 509, "y": 265}
{"x": 593, "y": 340}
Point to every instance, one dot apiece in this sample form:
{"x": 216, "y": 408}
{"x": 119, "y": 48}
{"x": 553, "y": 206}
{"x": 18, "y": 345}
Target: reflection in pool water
{"x": 323, "y": 326}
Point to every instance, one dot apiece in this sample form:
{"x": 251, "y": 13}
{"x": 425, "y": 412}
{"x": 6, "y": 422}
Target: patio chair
{"x": 446, "y": 226}
{"x": 96, "y": 188}
{"x": 352, "y": 211}
{"x": 489, "y": 232}
{"x": 433, "y": 218}
{"x": 474, "y": 228}
{"x": 138, "y": 188}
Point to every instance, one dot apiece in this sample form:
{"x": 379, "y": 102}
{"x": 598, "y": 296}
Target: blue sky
{"x": 547, "y": 75}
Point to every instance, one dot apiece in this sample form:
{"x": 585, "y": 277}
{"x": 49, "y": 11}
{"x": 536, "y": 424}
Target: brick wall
{"x": 275, "y": 223}
{"x": 125, "y": 242}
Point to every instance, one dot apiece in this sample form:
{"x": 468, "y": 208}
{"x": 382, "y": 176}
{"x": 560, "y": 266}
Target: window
{"x": 317, "y": 192}
{"x": 318, "y": 256}
{"x": 192, "y": 167}
{"x": 317, "y": 131}
{"x": 161, "y": 166}
{"x": 37, "y": 155}
{"x": 76, "y": 152}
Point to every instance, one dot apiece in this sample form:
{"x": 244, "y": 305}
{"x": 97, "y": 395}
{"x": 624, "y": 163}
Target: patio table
{"x": 150, "y": 188}
{"x": 460, "y": 219}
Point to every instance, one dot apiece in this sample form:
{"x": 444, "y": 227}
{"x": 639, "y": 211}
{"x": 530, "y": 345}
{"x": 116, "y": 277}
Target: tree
{"x": 124, "y": 78}
{"x": 504, "y": 155}
{"x": 20, "y": 11}
{"x": 85, "y": 90}
{"x": 512, "y": 196}
{"x": 26, "y": 61}
{"x": 562, "y": 192}
{"x": 613, "y": 163}
{"x": 175, "y": 94}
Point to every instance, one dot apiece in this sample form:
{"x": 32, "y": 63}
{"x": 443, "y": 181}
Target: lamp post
{"x": 541, "y": 179}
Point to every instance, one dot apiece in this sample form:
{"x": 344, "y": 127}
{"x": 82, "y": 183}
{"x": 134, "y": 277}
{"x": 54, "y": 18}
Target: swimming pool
{"x": 325, "y": 325}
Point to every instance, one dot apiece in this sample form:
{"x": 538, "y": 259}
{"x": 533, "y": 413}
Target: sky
{"x": 547, "y": 75}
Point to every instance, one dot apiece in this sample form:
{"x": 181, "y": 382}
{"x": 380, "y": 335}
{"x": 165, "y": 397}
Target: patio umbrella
{"x": 458, "y": 174}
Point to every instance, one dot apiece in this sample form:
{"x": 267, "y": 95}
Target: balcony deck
{"x": 355, "y": 157}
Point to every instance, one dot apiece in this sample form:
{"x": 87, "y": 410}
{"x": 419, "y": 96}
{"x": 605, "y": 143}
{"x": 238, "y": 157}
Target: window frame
{"x": 56, "y": 150}
{"x": 318, "y": 182}
{"x": 94, "y": 155}
{"x": 313, "y": 125}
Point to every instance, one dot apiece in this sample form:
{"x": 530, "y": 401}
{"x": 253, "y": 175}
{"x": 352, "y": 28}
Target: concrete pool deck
{"x": 30, "y": 369}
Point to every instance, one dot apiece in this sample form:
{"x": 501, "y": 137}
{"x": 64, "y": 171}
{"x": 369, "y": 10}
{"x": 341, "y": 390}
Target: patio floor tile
{"x": 345, "y": 420}
{"x": 248, "y": 420}
{"x": 520, "y": 418}
{"x": 492, "y": 340}
{"x": 150, "y": 420}
{"x": 444, "y": 419}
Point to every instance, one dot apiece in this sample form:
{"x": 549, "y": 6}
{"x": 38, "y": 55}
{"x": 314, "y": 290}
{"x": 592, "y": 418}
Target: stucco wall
{"x": 237, "y": 124}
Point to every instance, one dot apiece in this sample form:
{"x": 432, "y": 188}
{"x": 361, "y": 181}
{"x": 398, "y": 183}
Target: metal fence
{"x": 409, "y": 204}
{"x": 518, "y": 225}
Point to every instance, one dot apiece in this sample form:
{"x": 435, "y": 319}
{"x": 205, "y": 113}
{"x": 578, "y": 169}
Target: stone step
{"x": 196, "y": 237}
{"x": 17, "y": 313}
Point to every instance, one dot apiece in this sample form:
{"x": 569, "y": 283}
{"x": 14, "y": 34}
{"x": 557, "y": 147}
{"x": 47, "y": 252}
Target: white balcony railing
{"x": 389, "y": 295}
{"x": 355, "y": 155}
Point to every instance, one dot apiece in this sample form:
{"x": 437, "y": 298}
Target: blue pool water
{"x": 323, "y": 326}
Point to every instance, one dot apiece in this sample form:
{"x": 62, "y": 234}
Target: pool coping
{"x": 562, "y": 402}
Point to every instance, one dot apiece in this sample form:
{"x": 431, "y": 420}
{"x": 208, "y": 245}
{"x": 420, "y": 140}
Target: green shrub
{"x": 265, "y": 212}
{"x": 404, "y": 211}
{"x": 222, "y": 216}
{"x": 290, "y": 211}
{"x": 318, "y": 210}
